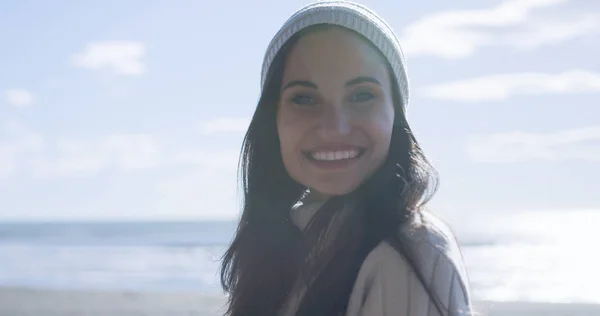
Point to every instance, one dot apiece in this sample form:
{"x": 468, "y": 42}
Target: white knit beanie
{"x": 351, "y": 16}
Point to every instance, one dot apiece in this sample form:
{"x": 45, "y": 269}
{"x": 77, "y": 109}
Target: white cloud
{"x": 19, "y": 97}
{"x": 210, "y": 157}
{"x": 180, "y": 181}
{"x": 512, "y": 23}
{"x": 125, "y": 152}
{"x": 27, "y": 152}
{"x": 122, "y": 57}
{"x": 503, "y": 86}
{"x": 580, "y": 144}
{"x": 225, "y": 124}
{"x": 17, "y": 147}
{"x": 201, "y": 192}
{"x": 540, "y": 32}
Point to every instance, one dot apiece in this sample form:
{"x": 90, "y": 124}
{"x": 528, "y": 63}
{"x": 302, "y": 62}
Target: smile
{"x": 334, "y": 155}
{"x": 334, "y": 159}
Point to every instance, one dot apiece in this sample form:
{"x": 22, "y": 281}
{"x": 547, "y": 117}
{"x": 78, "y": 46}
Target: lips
{"x": 334, "y": 154}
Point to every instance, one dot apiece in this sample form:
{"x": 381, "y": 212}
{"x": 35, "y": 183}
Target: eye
{"x": 362, "y": 96}
{"x": 301, "y": 99}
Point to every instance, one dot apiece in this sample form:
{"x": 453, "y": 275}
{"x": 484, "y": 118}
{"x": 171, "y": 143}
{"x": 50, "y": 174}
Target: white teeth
{"x": 334, "y": 155}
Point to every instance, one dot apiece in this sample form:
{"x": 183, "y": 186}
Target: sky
{"x": 135, "y": 110}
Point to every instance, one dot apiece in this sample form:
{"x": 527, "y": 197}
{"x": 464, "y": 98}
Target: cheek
{"x": 380, "y": 128}
{"x": 286, "y": 140}
{"x": 289, "y": 139}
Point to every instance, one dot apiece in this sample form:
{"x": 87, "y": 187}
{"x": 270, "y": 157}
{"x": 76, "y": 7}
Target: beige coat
{"x": 387, "y": 286}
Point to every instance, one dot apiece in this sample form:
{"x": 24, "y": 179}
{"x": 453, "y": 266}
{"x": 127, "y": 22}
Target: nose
{"x": 334, "y": 123}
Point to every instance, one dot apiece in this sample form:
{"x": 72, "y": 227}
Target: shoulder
{"x": 428, "y": 237}
{"x": 431, "y": 237}
{"x": 435, "y": 250}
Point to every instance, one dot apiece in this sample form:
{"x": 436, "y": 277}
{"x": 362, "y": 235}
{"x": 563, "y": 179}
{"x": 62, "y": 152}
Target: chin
{"x": 334, "y": 190}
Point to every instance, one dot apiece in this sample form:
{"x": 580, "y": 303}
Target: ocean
{"x": 530, "y": 258}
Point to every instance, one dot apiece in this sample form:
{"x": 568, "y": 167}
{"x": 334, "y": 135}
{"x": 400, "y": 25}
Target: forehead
{"x": 333, "y": 54}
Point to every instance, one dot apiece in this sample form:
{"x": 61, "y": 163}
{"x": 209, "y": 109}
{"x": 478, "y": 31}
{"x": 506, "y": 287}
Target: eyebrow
{"x": 362, "y": 79}
{"x": 312, "y": 85}
{"x": 302, "y": 83}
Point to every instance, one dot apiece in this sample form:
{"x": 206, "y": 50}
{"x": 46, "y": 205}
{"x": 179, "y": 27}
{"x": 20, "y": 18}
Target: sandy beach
{"x": 26, "y": 302}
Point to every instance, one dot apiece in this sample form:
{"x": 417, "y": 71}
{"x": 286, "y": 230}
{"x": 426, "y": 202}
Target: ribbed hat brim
{"x": 351, "y": 16}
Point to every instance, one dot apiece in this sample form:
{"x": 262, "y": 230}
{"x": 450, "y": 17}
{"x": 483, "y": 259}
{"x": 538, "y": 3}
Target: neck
{"x": 316, "y": 196}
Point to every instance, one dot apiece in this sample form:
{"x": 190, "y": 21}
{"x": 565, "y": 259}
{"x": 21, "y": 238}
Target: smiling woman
{"x": 335, "y": 183}
{"x": 336, "y": 114}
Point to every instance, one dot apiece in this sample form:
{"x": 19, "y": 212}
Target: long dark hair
{"x": 269, "y": 253}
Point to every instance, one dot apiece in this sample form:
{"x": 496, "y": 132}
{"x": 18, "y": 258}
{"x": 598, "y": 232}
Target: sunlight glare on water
{"x": 552, "y": 259}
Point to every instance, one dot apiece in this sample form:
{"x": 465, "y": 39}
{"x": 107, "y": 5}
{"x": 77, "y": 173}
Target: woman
{"x": 335, "y": 183}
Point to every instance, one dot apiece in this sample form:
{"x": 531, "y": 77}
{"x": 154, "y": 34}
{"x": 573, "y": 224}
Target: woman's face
{"x": 336, "y": 114}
